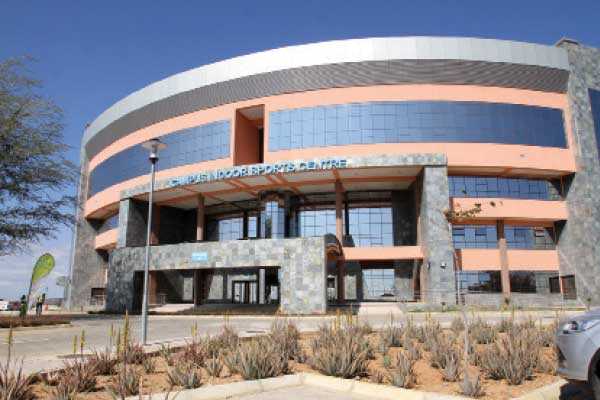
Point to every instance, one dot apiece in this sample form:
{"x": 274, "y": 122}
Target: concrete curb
{"x": 548, "y": 392}
{"x": 361, "y": 389}
{"x": 35, "y": 328}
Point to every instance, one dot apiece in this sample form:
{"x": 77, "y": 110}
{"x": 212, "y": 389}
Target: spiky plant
{"x": 167, "y": 354}
{"x": 482, "y": 332}
{"x": 402, "y": 371}
{"x": 340, "y": 352}
{"x": 451, "y": 371}
{"x": 185, "y": 374}
{"x": 471, "y": 385}
{"x": 79, "y": 375}
{"x": 104, "y": 361}
{"x": 390, "y": 336}
{"x": 149, "y": 365}
{"x": 285, "y": 336}
{"x": 126, "y": 382}
{"x": 260, "y": 358}
{"x": 214, "y": 366}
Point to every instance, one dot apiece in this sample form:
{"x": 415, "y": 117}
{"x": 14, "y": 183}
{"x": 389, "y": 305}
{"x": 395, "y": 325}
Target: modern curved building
{"x": 413, "y": 169}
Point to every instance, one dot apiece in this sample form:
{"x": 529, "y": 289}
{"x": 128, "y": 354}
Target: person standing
{"x": 23, "y": 307}
{"x": 38, "y": 305}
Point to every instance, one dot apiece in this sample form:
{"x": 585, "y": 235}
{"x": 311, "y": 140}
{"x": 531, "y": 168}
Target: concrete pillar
{"x": 438, "y": 281}
{"x": 339, "y": 197}
{"x": 504, "y": 273}
{"x": 132, "y": 224}
{"x": 261, "y": 286}
{"x": 200, "y": 219}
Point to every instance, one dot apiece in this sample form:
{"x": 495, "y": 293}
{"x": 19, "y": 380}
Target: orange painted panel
{"x": 517, "y": 209}
{"x": 341, "y": 96}
{"x": 533, "y": 260}
{"x": 480, "y": 259}
{"x": 383, "y": 253}
{"x": 112, "y": 194}
{"x": 106, "y": 240}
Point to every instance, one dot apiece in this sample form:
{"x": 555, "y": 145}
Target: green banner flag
{"x": 43, "y": 266}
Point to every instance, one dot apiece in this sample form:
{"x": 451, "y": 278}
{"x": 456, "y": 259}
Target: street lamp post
{"x": 154, "y": 146}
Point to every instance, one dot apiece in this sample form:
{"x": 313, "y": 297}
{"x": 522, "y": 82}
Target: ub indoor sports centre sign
{"x": 259, "y": 170}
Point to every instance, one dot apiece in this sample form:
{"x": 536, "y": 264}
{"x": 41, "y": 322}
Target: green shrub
{"x": 185, "y": 374}
{"x": 402, "y": 371}
{"x": 471, "y": 386}
{"x": 126, "y": 382}
{"x": 260, "y": 358}
{"x": 340, "y": 352}
{"x": 286, "y": 337}
{"x": 482, "y": 332}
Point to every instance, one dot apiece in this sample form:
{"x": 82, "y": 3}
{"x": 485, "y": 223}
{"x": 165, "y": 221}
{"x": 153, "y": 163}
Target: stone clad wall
{"x": 578, "y": 241}
{"x": 88, "y": 266}
{"x": 302, "y": 262}
{"x": 438, "y": 284}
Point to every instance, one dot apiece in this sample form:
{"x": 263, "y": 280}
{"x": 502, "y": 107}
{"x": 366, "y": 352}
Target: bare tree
{"x": 35, "y": 176}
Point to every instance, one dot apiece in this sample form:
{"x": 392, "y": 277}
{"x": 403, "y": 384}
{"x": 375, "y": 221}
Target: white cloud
{"x": 15, "y": 271}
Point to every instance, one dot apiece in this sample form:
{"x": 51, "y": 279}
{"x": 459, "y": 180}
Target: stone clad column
{"x": 437, "y": 273}
{"x": 132, "y": 224}
{"x": 502, "y": 248}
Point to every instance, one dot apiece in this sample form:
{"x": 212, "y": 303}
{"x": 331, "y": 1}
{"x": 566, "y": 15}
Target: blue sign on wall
{"x": 200, "y": 256}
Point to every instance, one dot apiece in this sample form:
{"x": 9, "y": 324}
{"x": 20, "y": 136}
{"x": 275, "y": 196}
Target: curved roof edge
{"x": 334, "y": 52}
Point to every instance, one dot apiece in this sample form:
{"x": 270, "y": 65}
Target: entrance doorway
{"x": 244, "y": 292}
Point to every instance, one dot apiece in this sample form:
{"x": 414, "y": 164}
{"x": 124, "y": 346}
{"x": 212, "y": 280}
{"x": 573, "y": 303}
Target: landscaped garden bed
{"x": 493, "y": 362}
{"x": 30, "y": 320}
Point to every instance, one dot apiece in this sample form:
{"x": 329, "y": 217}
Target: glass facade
{"x": 109, "y": 223}
{"x": 371, "y": 226}
{"x": 414, "y": 122}
{"x": 273, "y": 221}
{"x": 491, "y": 186}
{"x": 479, "y": 281}
{"x": 595, "y": 103}
{"x": 378, "y": 282}
{"x": 528, "y": 237}
{"x": 522, "y": 282}
{"x": 316, "y": 222}
{"x": 475, "y": 236}
{"x": 188, "y": 146}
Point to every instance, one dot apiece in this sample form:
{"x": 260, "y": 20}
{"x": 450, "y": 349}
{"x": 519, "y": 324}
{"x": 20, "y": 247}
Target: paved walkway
{"x": 301, "y": 393}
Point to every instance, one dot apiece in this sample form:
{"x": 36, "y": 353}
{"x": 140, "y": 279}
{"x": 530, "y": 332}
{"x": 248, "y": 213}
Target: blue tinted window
{"x": 528, "y": 237}
{"x": 474, "y": 236}
{"x": 371, "y": 226}
{"x": 595, "y": 103}
{"x": 109, "y": 223}
{"x": 479, "y": 281}
{"x": 273, "y": 221}
{"x": 416, "y": 121}
{"x": 316, "y": 222}
{"x": 188, "y": 146}
{"x": 378, "y": 282}
{"x": 491, "y": 186}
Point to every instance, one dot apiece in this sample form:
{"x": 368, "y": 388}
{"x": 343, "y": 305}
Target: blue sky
{"x": 91, "y": 54}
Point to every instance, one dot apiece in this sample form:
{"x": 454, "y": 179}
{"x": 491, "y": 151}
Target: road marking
{"x": 23, "y": 341}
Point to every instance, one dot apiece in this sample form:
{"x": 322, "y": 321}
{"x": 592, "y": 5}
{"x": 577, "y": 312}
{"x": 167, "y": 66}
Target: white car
{"x": 4, "y": 305}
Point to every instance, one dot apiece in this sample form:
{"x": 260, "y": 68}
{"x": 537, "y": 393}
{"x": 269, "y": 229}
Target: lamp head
{"x": 154, "y": 146}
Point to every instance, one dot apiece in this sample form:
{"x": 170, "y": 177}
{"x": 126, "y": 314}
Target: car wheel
{"x": 596, "y": 381}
